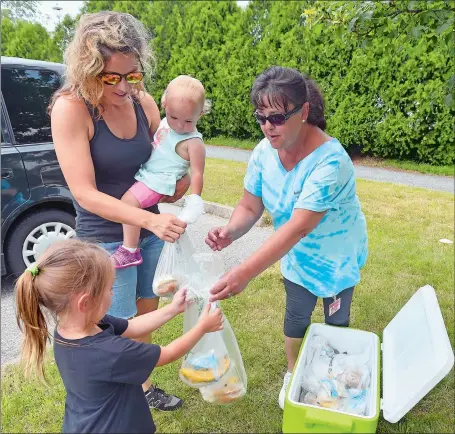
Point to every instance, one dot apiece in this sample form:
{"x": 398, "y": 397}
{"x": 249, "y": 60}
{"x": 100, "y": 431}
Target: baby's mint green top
{"x": 165, "y": 167}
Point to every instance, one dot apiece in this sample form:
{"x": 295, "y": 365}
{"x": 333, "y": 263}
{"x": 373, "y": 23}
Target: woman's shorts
{"x": 133, "y": 283}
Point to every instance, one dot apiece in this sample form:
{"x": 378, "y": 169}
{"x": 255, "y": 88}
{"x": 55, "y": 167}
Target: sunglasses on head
{"x": 276, "y": 119}
{"x": 112, "y": 78}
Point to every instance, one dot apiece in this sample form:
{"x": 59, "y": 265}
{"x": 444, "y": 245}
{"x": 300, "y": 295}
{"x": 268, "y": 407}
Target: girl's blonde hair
{"x": 66, "y": 268}
{"x": 97, "y": 37}
{"x": 188, "y": 88}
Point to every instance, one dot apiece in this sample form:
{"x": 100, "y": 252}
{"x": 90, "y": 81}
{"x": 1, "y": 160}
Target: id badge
{"x": 335, "y": 305}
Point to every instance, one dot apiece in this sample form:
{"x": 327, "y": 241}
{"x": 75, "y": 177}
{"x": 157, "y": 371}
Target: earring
{"x": 303, "y": 121}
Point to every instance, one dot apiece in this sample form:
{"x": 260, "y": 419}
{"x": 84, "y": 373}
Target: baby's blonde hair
{"x": 66, "y": 268}
{"x": 97, "y": 37}
{"x": 189, "y": 88}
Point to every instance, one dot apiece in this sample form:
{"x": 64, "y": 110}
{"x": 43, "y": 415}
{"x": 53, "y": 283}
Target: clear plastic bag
{"x": 335, "y": 380}
{"x": 214, "y": 365}
{"x": 175, "y": 263}
{"x": 233, "y": 384}
{"x": 173, "y": 266}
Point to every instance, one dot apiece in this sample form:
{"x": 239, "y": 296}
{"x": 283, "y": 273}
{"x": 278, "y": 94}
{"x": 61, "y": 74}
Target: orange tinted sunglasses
{"x": 113, "y": 78}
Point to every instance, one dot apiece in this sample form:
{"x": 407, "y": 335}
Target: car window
{"x": 27, "y": 93}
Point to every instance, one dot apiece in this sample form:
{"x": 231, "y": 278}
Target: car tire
{"x": 33, "y": 234}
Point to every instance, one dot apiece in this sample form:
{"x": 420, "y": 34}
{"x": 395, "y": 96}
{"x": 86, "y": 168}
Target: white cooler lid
{"x": 417, "y": 354}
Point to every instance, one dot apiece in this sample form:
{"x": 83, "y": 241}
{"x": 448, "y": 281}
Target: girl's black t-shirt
{"x": 103, "y": 376}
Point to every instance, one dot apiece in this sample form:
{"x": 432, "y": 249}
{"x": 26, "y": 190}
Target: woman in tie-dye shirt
{"x": 305, "y": 180}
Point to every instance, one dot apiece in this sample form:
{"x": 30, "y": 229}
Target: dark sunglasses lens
{"x": 277, "y": 119}
{"x": 134, "y": 77}
{"x": 260, "y": 119}
{"x": 111, "y": 79}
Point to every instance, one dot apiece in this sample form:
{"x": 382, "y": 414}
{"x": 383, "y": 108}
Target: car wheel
{"x": 34, "y": 234}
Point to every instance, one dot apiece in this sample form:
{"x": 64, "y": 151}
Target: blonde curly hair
{"x": 97, "y": 37}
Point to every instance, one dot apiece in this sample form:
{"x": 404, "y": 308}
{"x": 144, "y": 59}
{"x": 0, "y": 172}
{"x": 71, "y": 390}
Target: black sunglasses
{"x": 113, "y": 78}
{"x": 277, "y": 119}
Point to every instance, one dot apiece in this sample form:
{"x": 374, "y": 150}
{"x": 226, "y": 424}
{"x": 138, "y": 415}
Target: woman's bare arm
{"x": 70, "y": 122}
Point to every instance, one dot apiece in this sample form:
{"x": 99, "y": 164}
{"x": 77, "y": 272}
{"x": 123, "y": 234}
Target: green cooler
{"x": 416, "y": 356}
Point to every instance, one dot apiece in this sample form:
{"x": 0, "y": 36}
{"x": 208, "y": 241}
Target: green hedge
{"x": 388, "y": 98}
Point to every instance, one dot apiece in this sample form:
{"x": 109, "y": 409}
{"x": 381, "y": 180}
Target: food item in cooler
{"x": 310, "y": 398}
{"x": 351, "y": 378}
{"x": 204, "y": 369}
{"x": 324, "y": 399}
{"x": 335, "y": 379}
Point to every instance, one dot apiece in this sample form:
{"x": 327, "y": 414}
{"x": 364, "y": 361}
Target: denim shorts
{"x": 133, "y": 283}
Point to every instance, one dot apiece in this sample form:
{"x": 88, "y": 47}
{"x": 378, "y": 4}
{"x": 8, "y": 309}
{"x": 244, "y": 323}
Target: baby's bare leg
{"x": 131, "y": 234}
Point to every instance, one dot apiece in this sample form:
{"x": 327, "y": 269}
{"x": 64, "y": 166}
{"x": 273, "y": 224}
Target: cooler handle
{"x": 345, "y": 425}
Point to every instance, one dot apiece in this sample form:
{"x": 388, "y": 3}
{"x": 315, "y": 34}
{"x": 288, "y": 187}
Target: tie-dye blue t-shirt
{"x": 328, "y": 259}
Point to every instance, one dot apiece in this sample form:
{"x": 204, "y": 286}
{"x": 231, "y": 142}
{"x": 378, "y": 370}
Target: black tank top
{"x": 115, "y": 161}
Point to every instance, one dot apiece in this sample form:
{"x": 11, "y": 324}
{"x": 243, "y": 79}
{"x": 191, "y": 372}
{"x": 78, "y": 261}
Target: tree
{"x": 23, "y": 10}
{"x": 385, "y": 67}
{"x": 28, "y": 40}
{"x": 92, "y": 6}
{"x": 234, "y": 75}
{"x": 64, "y": 32}
{"x": 394, "y": 98}
{"x": 7, "y": 33}
{"x": 389, "y": 19}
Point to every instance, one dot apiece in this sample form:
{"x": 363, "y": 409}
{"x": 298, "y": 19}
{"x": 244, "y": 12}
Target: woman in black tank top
{"x": 102, "y": 123}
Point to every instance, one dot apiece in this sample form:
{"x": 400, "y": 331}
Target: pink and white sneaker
{"x": 123, "y": 258}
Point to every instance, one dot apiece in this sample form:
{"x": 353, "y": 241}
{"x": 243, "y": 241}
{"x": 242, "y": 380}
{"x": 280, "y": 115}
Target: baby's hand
{"x": 211, "y": 321}
{"x": 178, "y": 302}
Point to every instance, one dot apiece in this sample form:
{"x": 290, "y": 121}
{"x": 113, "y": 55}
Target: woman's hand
{"x": 219, "y": 238}
{"x": 232, "y": 283}
{"x": 166, "y": 227}
{"x": 181, "y": 188}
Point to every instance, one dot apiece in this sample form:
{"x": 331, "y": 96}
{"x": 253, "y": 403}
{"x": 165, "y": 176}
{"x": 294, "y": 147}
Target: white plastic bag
{"x": 214, "y": 365}
{"x": 335, "y": 380}
{"x": 174, "y": 263}
{"x": 192, "y": 209}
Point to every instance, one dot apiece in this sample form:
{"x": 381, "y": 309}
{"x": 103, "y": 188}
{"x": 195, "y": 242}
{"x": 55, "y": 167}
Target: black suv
{"x": 37, "y": 207}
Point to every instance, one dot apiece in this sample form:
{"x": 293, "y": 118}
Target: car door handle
{"x": 7, "y": 173}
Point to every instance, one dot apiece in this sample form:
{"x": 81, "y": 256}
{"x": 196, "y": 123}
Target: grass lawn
{"x": 409, "y": 166}
{"x": 404, "y": 226}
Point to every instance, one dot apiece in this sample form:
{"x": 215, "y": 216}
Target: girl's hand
{"x": 232, "y": 283}
{"x": 219, "y": 238}
{"x": 166, "y": 227}
{"x": 211, "y": 321}
{"x": 178, "y": 302}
